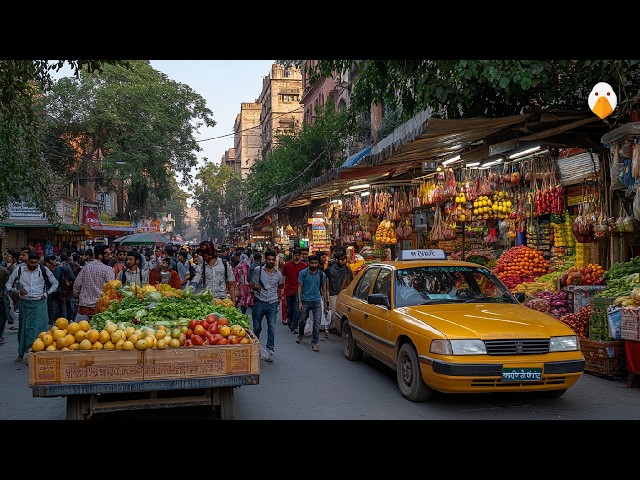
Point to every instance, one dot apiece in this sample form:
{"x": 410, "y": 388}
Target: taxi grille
{"x": 517, "y": 347}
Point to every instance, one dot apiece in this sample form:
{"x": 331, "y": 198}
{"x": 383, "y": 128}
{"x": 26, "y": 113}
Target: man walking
{"x": 290, "y": 271}
{"x": 32, "y": 288}
{"x": 91, "y": 279}
{"x": 312, "y": 291}
{"x": 339, "y": 276}
{"x": 215, "y": 273}
{"x": 266, "y": 282}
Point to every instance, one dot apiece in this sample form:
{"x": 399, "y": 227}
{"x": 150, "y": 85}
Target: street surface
{"x": 304, "y": 385}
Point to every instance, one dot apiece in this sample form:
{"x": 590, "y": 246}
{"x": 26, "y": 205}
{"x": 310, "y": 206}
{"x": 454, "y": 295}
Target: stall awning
{"x": 112, "y": 230}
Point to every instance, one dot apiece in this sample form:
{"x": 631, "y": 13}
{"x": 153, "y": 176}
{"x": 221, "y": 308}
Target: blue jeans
{"x": 293, "y": 314}
{"x": 259, "y": 310}
{"x": 316, "y": 308}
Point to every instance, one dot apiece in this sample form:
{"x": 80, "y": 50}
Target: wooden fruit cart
{"x": 96, "y": 381}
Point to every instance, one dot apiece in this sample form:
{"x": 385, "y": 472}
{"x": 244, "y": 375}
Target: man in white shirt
{"x": 215, "y": 273}
{"x": 32, "y": 288}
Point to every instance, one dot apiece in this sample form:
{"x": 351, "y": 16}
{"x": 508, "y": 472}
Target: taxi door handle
{"x": 366, "y": 315}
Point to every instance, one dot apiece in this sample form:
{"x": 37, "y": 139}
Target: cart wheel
{"x": 77, "y": 407}
{"x": 226, "y": 408}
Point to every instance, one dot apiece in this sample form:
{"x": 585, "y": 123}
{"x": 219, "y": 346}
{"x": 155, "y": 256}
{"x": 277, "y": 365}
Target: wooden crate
{"x": 603, "y": 357}
{"x": 99, "y": 366}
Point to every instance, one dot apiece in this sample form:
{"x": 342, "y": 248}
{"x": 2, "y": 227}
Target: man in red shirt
{"x": 290, "y": 271}
{"x": 164, "y": 274}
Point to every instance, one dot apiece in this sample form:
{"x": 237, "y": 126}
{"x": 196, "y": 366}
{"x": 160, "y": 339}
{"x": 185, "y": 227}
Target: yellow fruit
{"x": 93, "y": 335}
{"x": 84, "y": 345}
{"x": 51, "y": 348}
{"x": 59, "y": 334}
{"x": 160, "y": 334}
{"x": 110, "y": 327}
{"x": 117, "y": 335}
{"x": 128, "y": 345}
{"x": 104, "y": 336}
{"x": 97, "y": 346}
{"x": 151, "y": 341}
{"x": 73, "y": 328}
{"x": 47, "y": 339}
{"x": 70, "y": 339}
{"x": 133, "y": 338}
{"x": 162, "y": 327}
{"x": 161, "y": 344}
{"x": 119, "y": 344}
{"x": 174, "y": 343}
{"x": 65, "y": 349}
{"x": 62, "y": 323}
{"x": 109, "y": 345}
{"x": 142, "y": 344}
{"x": 79, "y": 336}
{"x": 62, "y": 342}
{"x": 38, "y": 345}
{"x": 84, "y": 325}
{"x": 42, "y": 334}
{"x": 129, "y": 330}
{"x": 74, "y": 346}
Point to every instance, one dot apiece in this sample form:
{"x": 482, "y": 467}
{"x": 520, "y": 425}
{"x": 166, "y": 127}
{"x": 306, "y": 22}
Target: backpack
{"x": 43, "y": 271}
{"x": 123, "y": 275}
{"x": 192, "y": 271}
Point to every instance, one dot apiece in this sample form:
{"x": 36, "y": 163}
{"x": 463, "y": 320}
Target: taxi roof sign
{"x": 422, "y": 254}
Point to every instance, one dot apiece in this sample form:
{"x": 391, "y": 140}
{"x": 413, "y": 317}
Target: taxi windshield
{"x": 427, "y": 285}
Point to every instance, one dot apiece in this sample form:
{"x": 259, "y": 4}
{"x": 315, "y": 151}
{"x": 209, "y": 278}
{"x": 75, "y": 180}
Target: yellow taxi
{"x": 453, "y": 327}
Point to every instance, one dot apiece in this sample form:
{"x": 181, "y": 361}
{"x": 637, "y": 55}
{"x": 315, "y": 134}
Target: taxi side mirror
{"x": 379, "y": 299}
{"x": 520, "y": 297}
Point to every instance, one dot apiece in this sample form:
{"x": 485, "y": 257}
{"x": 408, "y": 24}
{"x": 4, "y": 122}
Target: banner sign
{"x": 90, "y": 216}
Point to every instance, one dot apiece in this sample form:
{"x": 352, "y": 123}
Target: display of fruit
{"x": 520, "y": 264}
{"x": 592, "y": 274}
{"x": 386, "y": 233}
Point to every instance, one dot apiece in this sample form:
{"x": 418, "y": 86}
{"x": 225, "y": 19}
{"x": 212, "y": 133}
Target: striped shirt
{"x": 90, "y": 280}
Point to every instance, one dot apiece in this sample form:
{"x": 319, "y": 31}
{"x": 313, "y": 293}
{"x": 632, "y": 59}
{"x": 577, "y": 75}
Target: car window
{"x": 427, "y": 285}
{"x": 364, "y": 285}
{"x": 383, "y": 282}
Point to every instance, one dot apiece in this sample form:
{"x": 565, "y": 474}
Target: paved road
{"x": 304, "y": 385}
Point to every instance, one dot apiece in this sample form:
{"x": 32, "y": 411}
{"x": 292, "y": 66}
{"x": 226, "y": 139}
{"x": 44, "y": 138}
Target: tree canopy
{"x": 480, "y": 88}
{"x": 127, "y": 122}
{"x": 298, "y": 157}
{"x": 218, "y": 196}
{"x": 22, "y": 84}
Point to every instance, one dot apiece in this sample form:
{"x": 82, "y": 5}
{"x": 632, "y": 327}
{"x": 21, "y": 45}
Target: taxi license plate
{"x": 521, "y": 374}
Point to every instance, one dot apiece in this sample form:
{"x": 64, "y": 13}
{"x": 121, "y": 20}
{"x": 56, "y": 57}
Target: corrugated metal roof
{"x": 578, "y": 167}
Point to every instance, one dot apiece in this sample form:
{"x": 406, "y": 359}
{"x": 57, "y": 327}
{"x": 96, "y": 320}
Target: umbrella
{"x": 144, "y": 238}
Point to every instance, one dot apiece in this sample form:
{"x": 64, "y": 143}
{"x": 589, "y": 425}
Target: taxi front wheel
{"x": 409, "y": 377}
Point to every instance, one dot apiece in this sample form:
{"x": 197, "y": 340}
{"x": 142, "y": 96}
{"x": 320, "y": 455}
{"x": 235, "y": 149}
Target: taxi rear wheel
{"x": 349, "y": 347}
{"x": 409, "y": 377}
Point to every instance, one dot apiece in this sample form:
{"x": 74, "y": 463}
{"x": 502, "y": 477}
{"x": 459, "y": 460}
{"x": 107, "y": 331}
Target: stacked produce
{"x": 579, "y": 322}
{"x": 386, "y": 233}
{"x": 149, "y": 322}
{"x": 550, "y": 280}
{"x": 621, "y": 279}
{"x": 548, "y": 302}
{"x": 592, "y": 274}
{"x": 520, "y": 264}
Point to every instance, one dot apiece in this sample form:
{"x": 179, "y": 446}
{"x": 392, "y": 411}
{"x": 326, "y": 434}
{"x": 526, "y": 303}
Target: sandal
{"x": 18, "y": 358}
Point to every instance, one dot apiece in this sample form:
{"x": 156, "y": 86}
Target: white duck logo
{"x": 602, "y": 100}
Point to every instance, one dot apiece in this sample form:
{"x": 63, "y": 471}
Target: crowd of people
{"x": 36, "y": 289}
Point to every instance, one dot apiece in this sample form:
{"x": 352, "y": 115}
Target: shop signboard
{"x": 90, "y": 216}
{"x": 68, "y": 211}
{"x": 20, "y": 212}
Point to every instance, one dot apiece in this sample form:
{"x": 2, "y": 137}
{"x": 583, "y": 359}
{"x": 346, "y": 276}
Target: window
{"x": 364, "y": 285}
{"x": 383, "y": 282}
{"x": 289, "y": 98}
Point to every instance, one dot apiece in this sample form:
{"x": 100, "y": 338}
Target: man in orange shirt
{"x": 164, "y": 274}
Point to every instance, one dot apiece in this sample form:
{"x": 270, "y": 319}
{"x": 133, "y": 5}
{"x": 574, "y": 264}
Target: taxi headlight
{"x": 564, "y": 344}
{"x": 458, "y": 347}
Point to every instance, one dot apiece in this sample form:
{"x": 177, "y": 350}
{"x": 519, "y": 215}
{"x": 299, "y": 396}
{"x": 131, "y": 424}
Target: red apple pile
{"x": 215, "y": 330}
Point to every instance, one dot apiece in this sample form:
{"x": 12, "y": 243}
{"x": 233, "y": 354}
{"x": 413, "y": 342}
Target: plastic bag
{"x": 617, "y": 176}
{"x": 614, "y": 320}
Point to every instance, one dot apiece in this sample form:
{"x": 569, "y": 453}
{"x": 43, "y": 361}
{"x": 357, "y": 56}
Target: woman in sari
{"x": 245, "y": 292}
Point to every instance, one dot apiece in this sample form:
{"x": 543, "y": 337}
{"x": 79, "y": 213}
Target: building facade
{"x": 281, "y": 110}
{"x": 315, "y": 95}
{"x": 247, "y": 145}
{"x": 229, "y": 159}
